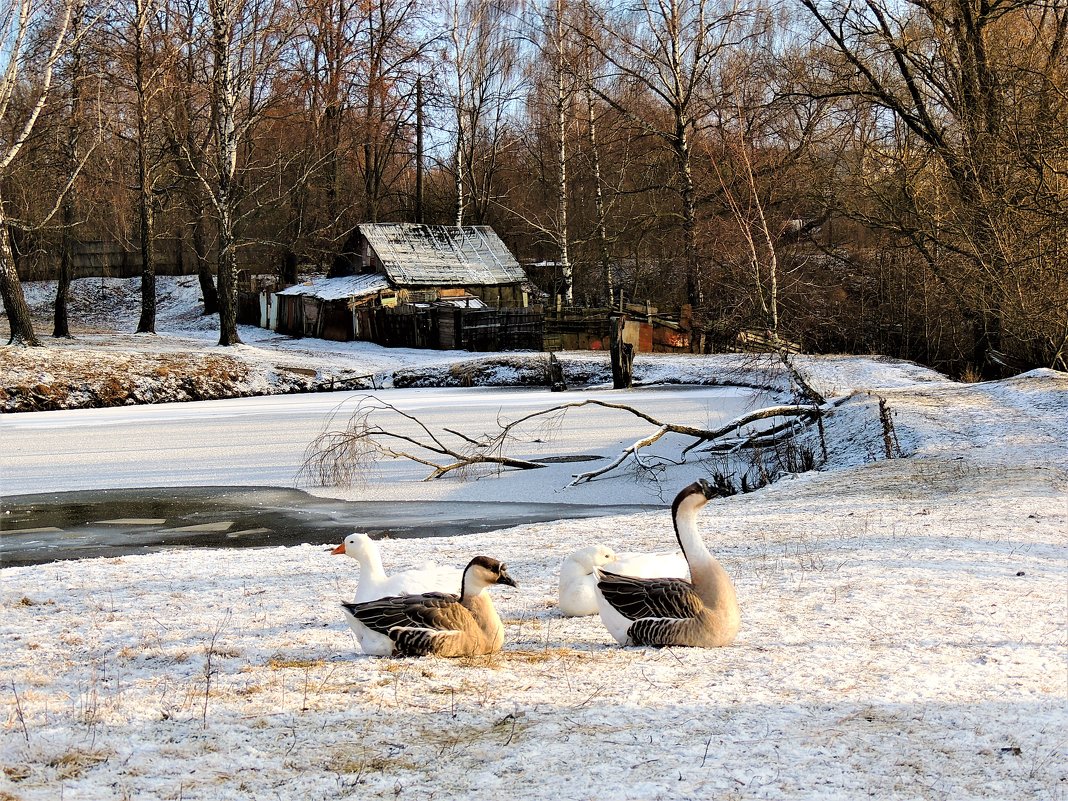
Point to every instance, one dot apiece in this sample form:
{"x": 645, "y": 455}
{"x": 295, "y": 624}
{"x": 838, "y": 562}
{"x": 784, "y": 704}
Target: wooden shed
{"x": 436, "y": 260}
{"x": 422, "y": 286}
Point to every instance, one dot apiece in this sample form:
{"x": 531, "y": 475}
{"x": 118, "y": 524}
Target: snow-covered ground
{"x": 903, "y": 637}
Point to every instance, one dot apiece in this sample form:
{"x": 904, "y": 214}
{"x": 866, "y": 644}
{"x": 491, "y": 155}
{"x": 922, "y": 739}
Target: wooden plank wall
{"x": 449, "y": 328}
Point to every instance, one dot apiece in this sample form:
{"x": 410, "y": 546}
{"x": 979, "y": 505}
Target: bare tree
{"x": 482, "y": 55}
{"x": 21, "y": 23}
{"x": 246, "y": 38}
{"x": 670, "y": 49}
{"x": 561, "y": 109}
{"x": 145, "y": 77}
{"x": 188, "y": 139}
{"x": 978, "y": 189}
{"x": 393, "y": 51}
{"x": 71, "y": 158}
{"x": 600, "y": 206}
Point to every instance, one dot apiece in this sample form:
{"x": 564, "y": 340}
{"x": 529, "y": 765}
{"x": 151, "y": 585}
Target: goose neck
{"x": 371, "y": 565}
{"x": 693, "y": 546}
{"x": 471, "y": 586}
{"x": 487, "y": 618}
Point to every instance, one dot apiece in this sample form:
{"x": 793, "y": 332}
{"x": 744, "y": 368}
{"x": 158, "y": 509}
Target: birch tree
{"x": 561, "y": 111}
{"x": 600, "y": 206}
{"x": 670, "y": 50}
{"x": 23, "y": 23}
{"x": 246, "y": 37}
{"x": 482, "y": 61}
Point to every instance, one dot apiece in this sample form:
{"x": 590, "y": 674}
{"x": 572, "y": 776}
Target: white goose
{"x": 702, "y": 612}
{"x": 578, "y": 574}
{"x": 435, "y": 623}
{"x": 374, "y": 583}
{"x": 651, "y": 565}
{"x": 578, "y": 579}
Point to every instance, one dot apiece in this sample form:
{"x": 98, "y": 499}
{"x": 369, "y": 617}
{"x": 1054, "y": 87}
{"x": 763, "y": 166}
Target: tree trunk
{"x": 695, "y": 294}
{"x": 147, "y": 323}
{"x": 419, "y": 150}
{"x": 598, "y": 196}
{"x": 227, "y": 285}
{"x": 18, "y": 313}
{"x": 561, "y": 159}
{"x": 60, "y": 320}
{"x": 200, "y": 252}
{"x": 225, "y": 131}
{"x": 60, "y": 324}
{"x": 458, "y": 165}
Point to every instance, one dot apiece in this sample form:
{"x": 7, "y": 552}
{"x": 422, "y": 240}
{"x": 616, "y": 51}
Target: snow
{"x": 349, "y": 286}
{"x": 903, "y": 621}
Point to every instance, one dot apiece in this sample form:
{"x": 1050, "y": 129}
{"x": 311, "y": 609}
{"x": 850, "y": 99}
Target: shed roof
{"x": 413, "y": 254}
{"x": 349, "y": 286}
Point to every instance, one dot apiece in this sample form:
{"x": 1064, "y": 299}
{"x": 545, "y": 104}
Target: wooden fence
{"x": 447, "y": 327}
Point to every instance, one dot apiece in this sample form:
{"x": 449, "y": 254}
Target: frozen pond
{"x": 77, "y": 525}
{"x": 100, "y": 482}
{"x": 262, "y": 441}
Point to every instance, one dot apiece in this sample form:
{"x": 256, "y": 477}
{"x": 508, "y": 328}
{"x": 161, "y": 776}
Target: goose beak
{"x": 504, "y": 578}
{"x": 339, "y": 549}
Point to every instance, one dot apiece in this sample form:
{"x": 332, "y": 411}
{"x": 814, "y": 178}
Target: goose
{"x": 652, "y": 565}
{"x": 702, "y": 612}
{"x": 374, "y": 583}
{"x": 435, "y": 623}
{"x": 577, "y": 579}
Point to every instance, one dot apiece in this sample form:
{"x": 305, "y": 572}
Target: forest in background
{"x": 874, "y": 177}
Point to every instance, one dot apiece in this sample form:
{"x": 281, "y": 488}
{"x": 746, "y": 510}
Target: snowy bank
{"x": 903, "y": 637}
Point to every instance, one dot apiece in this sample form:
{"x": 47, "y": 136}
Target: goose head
{"x": 355, "y": 545}
{"x": 482, "y": 572}
{"x": 696, "y": 495}
{"x": 587, "y": 559}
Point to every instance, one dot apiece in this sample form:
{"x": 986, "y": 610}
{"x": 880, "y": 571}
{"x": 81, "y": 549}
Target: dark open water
{"x": 35, "y": 529}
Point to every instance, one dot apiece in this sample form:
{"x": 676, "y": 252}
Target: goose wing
{"x": 637, "y": 598}
{"x": 431, "y": 611}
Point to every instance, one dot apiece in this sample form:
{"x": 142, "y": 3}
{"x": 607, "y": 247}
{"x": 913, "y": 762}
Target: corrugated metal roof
{"x": 350, "y": 286}
{"x": 442, "y": 255}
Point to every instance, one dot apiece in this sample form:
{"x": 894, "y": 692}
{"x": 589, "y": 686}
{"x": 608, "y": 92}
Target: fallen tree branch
{"x": 339, "y": 456}
{"x": 630, "y": 449}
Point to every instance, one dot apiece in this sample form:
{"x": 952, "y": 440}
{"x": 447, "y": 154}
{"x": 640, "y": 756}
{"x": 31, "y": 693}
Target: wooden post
{"x": 622, "y": 356}
{"x": 556, "y": 374}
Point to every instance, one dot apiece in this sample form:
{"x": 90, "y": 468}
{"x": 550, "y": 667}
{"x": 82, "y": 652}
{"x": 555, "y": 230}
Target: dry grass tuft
{"x": 75, "y": 762}
{"x": 346, "y": 763}
{"x": 278, "y": 662}
{"x": 533, "y": 657}
{"x": 26, "y": 600}
{"x": 16, "y": 773}
{"x": 491, "y": 661}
